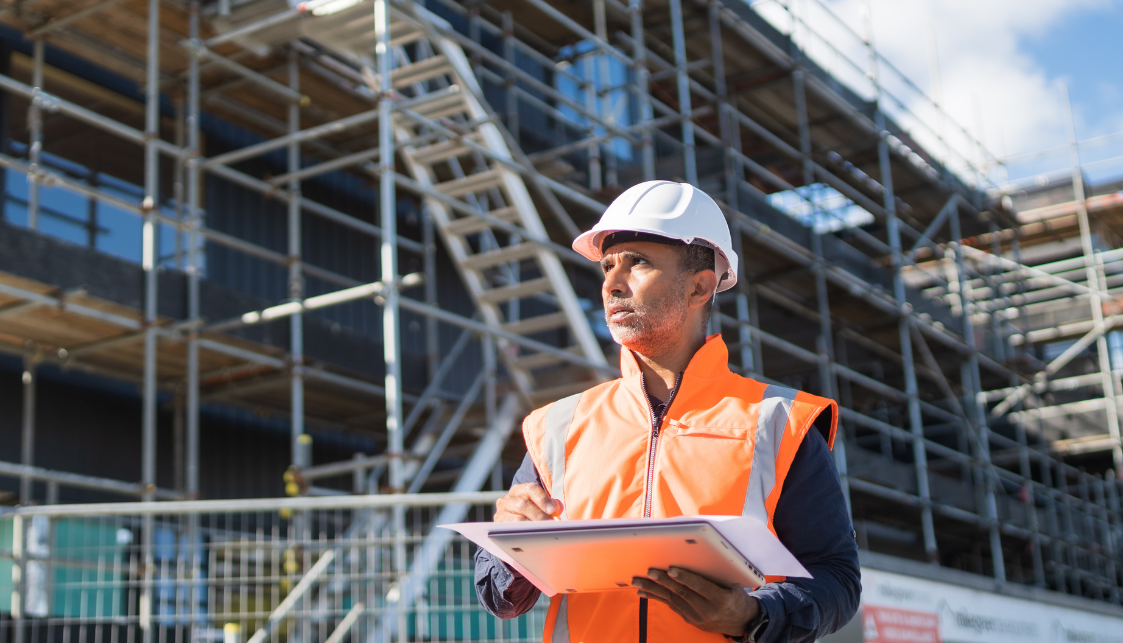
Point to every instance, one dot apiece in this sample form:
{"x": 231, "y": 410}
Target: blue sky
{"x": 1085, "y": 48}
{"x": 1003, "y": 66}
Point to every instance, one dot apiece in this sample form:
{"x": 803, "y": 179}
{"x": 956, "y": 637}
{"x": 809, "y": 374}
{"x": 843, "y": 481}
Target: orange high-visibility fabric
{"x": 702, "y": 466}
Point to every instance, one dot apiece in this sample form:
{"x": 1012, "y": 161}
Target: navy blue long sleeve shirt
{"x": 810, "y": 519}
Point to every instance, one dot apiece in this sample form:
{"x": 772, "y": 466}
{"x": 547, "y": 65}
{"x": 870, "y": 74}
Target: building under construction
{"x": 258, "y": 248}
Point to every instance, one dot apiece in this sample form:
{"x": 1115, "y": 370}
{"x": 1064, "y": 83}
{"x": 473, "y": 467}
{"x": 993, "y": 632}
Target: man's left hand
{"x": 700, "y": 602}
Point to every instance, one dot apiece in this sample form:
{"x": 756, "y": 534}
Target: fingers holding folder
{"x": 525, "y": 502}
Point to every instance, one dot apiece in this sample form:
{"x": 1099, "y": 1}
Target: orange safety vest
{"x": 597, "y": 452}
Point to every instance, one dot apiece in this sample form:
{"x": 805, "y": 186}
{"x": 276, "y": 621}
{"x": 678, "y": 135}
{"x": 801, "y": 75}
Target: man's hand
{"x": 701, "y": 603}
{"x": 526, "y": 502}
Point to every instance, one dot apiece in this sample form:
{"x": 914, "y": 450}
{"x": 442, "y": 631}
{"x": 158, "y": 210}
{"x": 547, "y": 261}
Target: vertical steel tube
{"x": 1111, "y": 483}
{"x": 723, "y": 117}
{"x": 150, "y": 259}
{"x": 916, "y": 423}
{"x": 193, "y": 260}
{"x": 591, "y": 107}
{"x": 972, "y": 387}
{"x": 91, "y": 214}
{"x": 605, "y": 110}
{"x": 1045, "y": 463}
{"x": 150, "y": 250}
{"x": 741, "y": 304}
{"x": 178, "y": 181}
{"x": 389, "y": 249}
{"x": 1093, "y": 269}
{"x": 27, "y": 444}
{"x": 390, "y": 314}
{"x": 683, "y": 82}
{"x": 35, "y": 127}
{"x": 194, "y": 267}
{"x": 825, "y": 343}
{"x": 1024, "y": 451}
{"x": 1110, "y": 578}
{"x": 1070, "y": 537}
{"x": 295, "y": 277}
{"x": 511, "y": 95}
{"x": 642, "y": 89}
{"x": 432, "y": 338}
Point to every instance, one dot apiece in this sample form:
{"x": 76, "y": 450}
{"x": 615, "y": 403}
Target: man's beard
{"x": 654, "y": 328}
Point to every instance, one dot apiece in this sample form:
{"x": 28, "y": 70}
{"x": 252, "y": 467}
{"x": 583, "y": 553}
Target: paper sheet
{"x": 750, "y": 536}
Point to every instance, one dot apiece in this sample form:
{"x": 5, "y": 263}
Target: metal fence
{"x": 364, "y": 568}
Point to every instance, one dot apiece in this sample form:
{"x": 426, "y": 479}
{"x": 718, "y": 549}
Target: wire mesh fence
{"x": 323, "y": 570}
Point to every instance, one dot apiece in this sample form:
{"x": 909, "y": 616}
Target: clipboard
{"x": 606, "y": 558}
{"x": 596, "y": 555}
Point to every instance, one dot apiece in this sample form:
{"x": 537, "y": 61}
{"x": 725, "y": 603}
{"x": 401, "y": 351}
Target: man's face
{"x": 645, "y": 296}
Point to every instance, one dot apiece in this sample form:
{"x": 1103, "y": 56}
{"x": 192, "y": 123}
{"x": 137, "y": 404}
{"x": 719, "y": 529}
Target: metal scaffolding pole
{"x": 591, "y": 105}
{"x": 725, "y": 123}
{"x": 511, "y": 83}
{"x": 35, "y": 127}
{"x": 150, "y": 262}
{"x": 683, "y": 82}
{"x": 194, "y": 266}
{"x": 916, "y": 422}
{"x": 295, "y": 277}
{"x": 972, "y": 388}
{"x": 1024, "y": 452}
{"x": 150, "y": 250}
{"x": 1094, "y": 274}
{"x": 391, "y": 315}
{"x": 27, "y": 444}
{"x": 642, "y": 83}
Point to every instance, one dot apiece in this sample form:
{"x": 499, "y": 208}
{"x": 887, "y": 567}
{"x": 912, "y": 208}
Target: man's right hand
{"x": 526, "y": 501}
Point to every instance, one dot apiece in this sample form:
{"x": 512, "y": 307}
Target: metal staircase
{"x": 457, "y": 156}
{"x": 455, "y": 151}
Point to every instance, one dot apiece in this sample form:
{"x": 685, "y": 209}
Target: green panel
{"x": 89, "y": 565}
{"x": 89, "y": 583}
{"x": 6, "y": 565}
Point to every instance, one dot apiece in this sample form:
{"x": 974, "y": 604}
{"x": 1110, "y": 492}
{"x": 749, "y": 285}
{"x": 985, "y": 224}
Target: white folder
{"x": 575, "y": 556}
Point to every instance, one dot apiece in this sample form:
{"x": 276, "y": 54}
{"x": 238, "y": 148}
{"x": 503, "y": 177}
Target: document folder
{"x": 603, "y": 555}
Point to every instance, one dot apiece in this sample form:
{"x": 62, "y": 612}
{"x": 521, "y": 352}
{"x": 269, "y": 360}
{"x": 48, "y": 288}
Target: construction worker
{"x": 679, "y": 434}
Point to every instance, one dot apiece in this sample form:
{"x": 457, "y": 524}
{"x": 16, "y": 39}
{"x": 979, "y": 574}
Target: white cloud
{"x": 990, "y": 82}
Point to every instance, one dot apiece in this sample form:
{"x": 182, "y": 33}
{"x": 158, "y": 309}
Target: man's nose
{"x": 615, "y": 282}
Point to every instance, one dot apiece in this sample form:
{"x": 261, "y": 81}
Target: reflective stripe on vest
{"x": 559, "y": 633}
{"x": 557, "y": 421}
{"x": 770, "y": 424}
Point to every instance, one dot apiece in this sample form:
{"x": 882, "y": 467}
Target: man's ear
{"x": 704, "y": 286}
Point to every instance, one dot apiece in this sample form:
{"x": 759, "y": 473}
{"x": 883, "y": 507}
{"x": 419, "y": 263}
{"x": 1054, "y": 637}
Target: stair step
{"x": 443, "y": 150}
{"x": 403, "y": 32}
{"x": 532, "y": 325}
{"x": 471, "y": 225}
{"x": 352, "y": 29}
{"x": 517, "y": 291}
{"x": 420, "y": 71}
{"x": 541, "y": 360}
{"x": 437, "y": 105}
{"x": 478, "y": 182}
{"x": 493, "y": 258}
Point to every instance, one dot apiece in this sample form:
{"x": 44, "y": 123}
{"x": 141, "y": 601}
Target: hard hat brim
{"x": 588, "y": 244}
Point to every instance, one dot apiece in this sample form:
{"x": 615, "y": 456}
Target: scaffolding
{"x": 875, "y": 272}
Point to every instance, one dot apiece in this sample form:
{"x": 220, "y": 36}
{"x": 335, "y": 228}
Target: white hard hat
{"x": 672, "y": 210}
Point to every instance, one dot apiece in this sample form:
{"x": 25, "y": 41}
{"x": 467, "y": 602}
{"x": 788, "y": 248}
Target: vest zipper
{"x": 656, "y": 422}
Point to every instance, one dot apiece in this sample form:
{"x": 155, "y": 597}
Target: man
{"x": 679, "y": 434}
